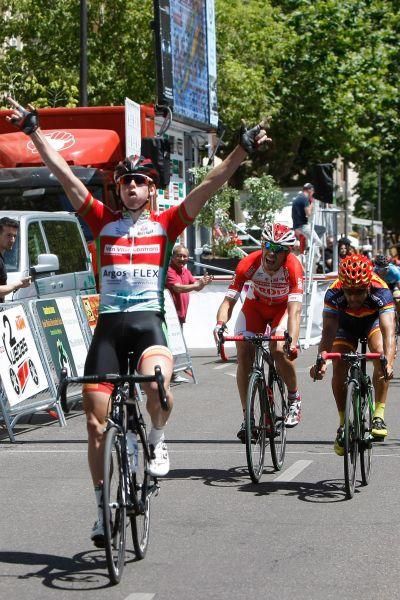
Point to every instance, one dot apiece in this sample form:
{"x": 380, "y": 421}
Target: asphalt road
{"x": 214, "y": 534}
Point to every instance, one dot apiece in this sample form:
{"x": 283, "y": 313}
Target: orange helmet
{"x": 355, "y": 271}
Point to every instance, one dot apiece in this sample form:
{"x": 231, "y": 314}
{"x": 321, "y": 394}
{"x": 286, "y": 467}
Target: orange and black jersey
{"x": 378, "y": 301}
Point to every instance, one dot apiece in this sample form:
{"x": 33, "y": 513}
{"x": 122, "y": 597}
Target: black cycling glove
{"x": 29, "y": 121}
{"x": 247, "y": 138}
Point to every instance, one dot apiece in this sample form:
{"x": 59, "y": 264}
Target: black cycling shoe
{"x": 241, "y": 434}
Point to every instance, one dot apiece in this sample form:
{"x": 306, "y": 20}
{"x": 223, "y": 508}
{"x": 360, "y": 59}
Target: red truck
{"x": 92, "y": 141}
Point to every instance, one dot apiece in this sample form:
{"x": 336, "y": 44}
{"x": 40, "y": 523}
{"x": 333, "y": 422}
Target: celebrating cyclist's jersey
{"x": 133, "y": 257}
{"x": 282, "y": 286}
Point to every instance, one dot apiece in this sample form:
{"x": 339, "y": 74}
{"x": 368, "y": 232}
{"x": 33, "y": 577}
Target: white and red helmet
{"x": 277, "y": 233}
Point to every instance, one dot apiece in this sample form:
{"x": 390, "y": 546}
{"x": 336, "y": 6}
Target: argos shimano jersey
{"x": 378, "y": 301}
{"x": 285, "y": 285}
{"x": 133, "y": 257}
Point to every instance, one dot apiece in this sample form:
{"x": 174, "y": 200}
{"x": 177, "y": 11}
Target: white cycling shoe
{"x": 97, "y": 535}
{"x": 159, "y": 465}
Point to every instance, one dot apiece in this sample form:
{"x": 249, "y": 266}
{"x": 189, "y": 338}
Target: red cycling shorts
{"x": 256, "y": 315}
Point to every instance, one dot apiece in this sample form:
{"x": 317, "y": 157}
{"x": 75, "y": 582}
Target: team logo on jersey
{"x": 114, "y": 249}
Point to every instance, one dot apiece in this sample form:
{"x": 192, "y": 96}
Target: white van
{"x": 50, "y": 247}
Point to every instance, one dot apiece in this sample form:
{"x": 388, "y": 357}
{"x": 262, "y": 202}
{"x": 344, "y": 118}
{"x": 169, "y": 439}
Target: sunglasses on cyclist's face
{"x": 276, "y": 248}
{"x": 359, "y": 292}
{"x": 136, "y": 177}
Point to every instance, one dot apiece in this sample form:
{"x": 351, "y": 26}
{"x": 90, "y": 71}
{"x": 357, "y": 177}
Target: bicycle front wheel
{"x": 255, "y": 426}
{"x": 276, "y": 393}
{"x": 365, "y": 436}
{"x": 114, "y": 505}
{"x": 351, "y": 439}
{"x": 140, "y": 517}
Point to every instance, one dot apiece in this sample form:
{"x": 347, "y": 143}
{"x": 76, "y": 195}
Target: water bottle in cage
{"x": 133, "y": 450}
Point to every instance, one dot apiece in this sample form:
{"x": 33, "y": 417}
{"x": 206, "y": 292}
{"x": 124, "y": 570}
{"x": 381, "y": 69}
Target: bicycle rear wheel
{"x": 255, "y": 426}
{"x": 351, "y": 439}
{"x": 365, "y": 437}
{"x": 114, "y": 505}
{"x": 140, "y": 517}
{"x": 278, "y": 404}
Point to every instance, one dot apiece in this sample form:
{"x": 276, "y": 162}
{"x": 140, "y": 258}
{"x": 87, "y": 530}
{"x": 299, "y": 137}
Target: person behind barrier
{"x": 302, "y": 209}
{"x": 8, "y": 235}
{"x": 390, "y": 273}
{"x": 274, "y": 297}
{"x": 358, "y": 305}
{"x": 344, "y": 248}
{"x": 134, "y": 251}
{"x": 180, "y": 282}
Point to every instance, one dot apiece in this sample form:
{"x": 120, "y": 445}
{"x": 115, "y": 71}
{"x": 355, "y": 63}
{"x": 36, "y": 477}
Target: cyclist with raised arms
{"x": 358, "y": 305}
{"x": 134, "y": 248}
{"x": 274, "y": 297}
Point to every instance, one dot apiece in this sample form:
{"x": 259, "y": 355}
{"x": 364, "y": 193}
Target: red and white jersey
{"x": 285, "y": 285}
{"x": 133, "y": 257}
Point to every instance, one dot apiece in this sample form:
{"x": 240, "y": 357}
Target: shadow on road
{"x": 328, "y": 490}
{"x": 79, "y": 572}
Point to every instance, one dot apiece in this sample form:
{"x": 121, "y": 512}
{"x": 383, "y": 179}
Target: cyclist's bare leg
{"x": 284, "y": 366}
{"x": 95, "y": 405}
{"x": 245, "y": 357}
{"x": 340, "y": 369}
{"x": 381, "y": 386}
{"x": 153, "y": 356}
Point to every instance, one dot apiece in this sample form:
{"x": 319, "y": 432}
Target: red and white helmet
{"x": 277, "y": 233}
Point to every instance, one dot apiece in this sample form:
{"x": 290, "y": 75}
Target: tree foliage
{"x": 326, "y": 71}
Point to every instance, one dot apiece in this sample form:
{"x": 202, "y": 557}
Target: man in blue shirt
{"x": 302, "y": 208}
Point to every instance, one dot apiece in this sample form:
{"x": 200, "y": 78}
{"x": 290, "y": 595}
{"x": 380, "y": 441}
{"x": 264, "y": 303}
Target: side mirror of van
{"x": 46, "y": 264}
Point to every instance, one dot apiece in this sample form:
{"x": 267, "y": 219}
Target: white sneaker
{"x": 178, "y": 379}
{"x": 159, "y": 466}
{"x": 97, "y": 535}
{"x": 294, "y": 415}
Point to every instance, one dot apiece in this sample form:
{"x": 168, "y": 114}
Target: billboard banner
{"x": 64, "y": 339}
{"x": 21, "y": 370}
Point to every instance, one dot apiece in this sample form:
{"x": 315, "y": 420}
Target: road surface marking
{"x": 227, "y": 364}
{"x": 140, "y": 597}
{"x": 294, "y": 470}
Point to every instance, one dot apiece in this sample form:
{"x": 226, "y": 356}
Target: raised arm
{"x": 28, "y": 122}
{"x": 249, "y": 142}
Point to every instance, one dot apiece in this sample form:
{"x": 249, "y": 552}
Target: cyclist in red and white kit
{"x": 274, "y": 297}
{"x": 134, "y": 248}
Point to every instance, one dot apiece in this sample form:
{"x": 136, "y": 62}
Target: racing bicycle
{"x": 357, "y": 438}
{"x": 127, "y": 492}
{"x": 266, "y": 405}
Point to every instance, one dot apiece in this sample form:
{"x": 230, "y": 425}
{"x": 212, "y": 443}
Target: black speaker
{"x": 158, "y": 150}
{"x": 323, "y": 182}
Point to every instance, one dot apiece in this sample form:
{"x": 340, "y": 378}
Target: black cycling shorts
{"x": 116, "y": 334}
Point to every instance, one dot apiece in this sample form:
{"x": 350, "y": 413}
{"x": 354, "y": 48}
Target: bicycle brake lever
{"x": 161, "y": 389}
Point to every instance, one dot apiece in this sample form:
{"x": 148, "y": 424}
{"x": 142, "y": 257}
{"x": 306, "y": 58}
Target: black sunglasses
{"x": 136, "y": 177}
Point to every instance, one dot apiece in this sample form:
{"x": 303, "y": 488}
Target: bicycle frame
{"x": 358, "y": 411}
